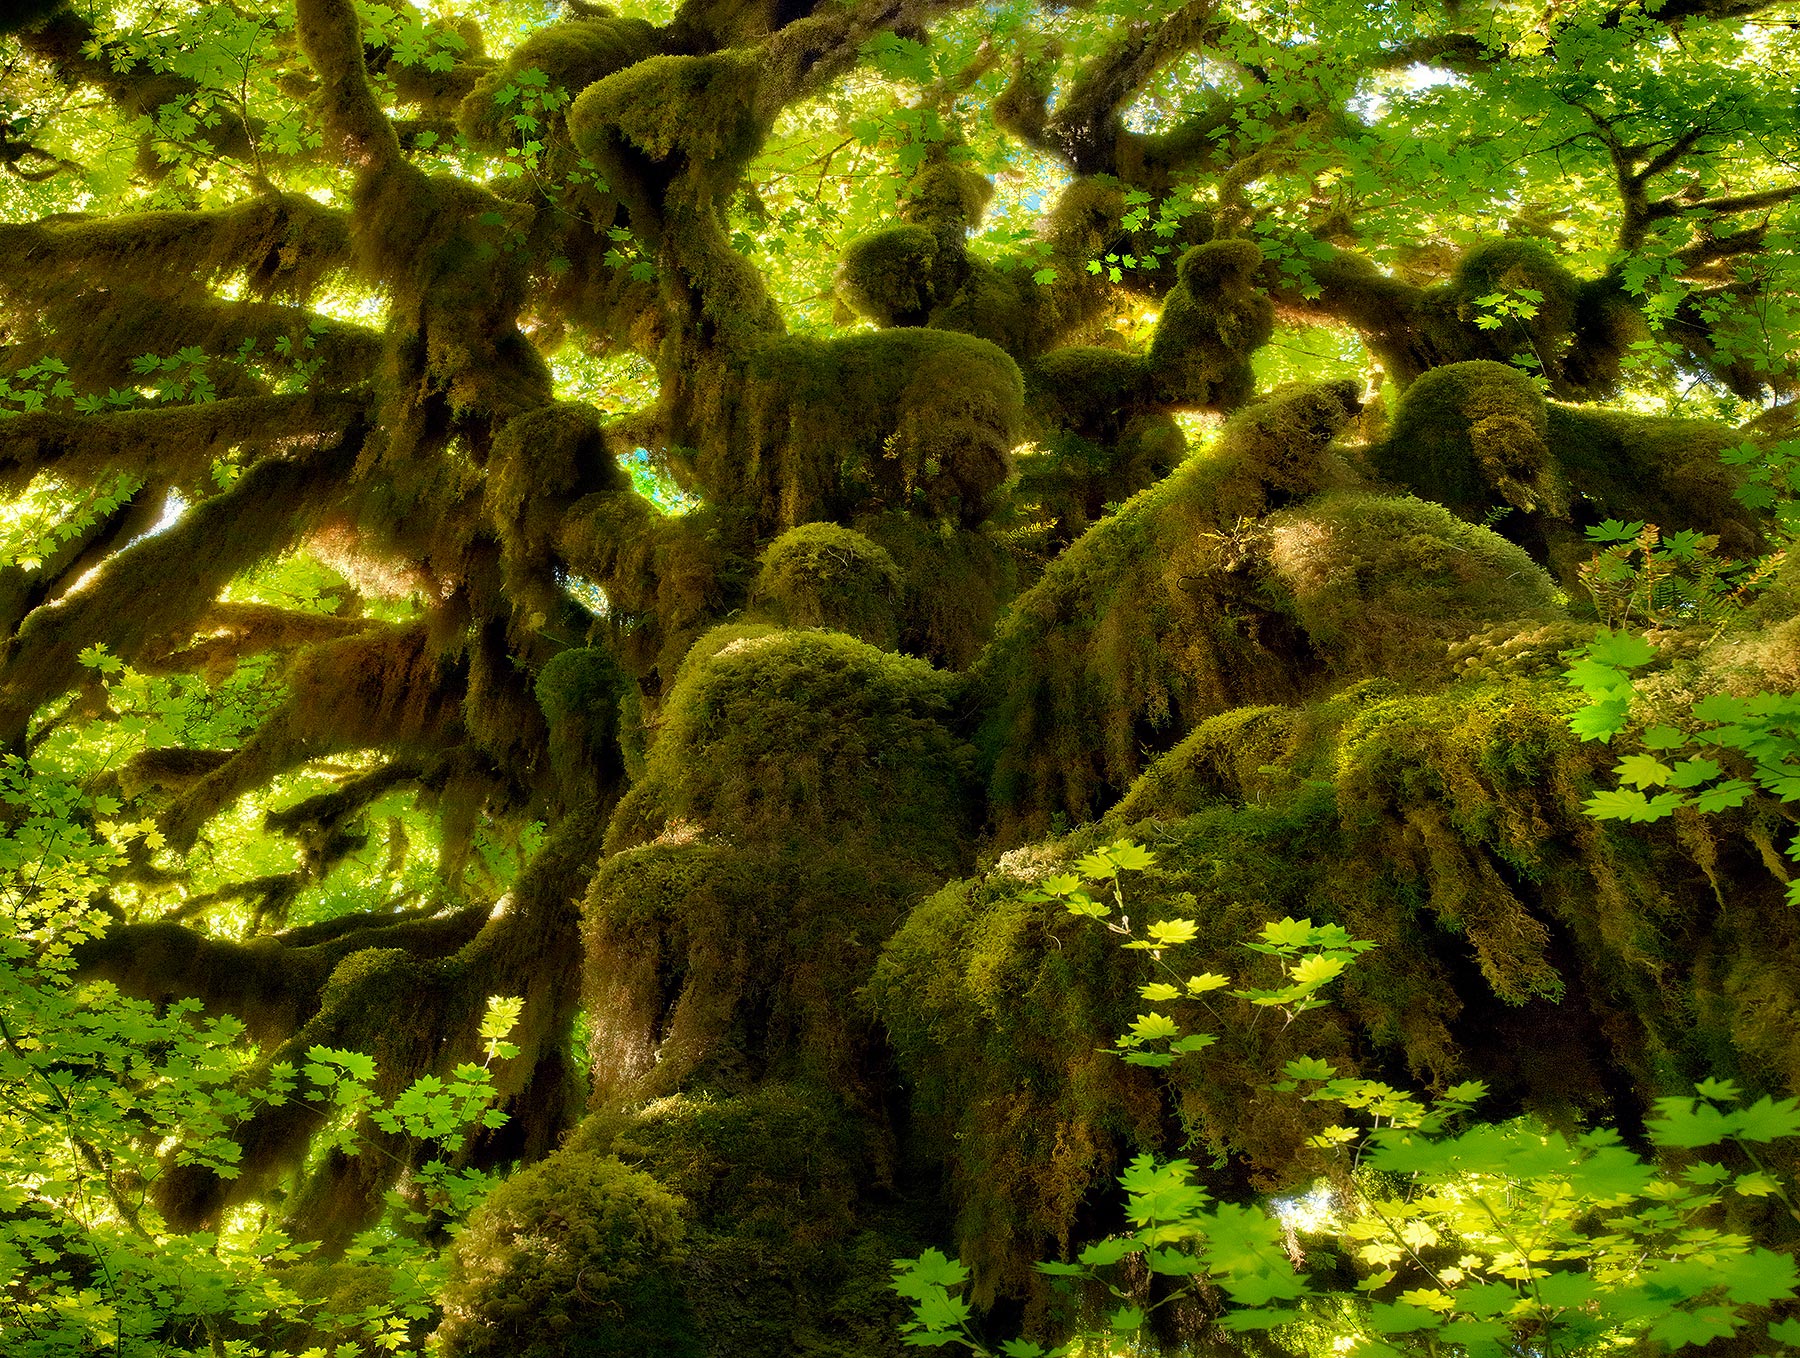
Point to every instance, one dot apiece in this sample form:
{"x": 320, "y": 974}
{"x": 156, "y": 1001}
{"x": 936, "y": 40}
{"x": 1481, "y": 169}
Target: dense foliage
{"x": 588, "y": 595}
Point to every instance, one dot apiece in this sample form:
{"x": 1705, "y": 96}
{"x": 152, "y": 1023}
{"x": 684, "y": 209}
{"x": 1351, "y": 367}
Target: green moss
{"x": 702, "y": 108}
{"x": 890, "y": 276}
{"x": 993, "y": 1009}
{"x": 1512, "y": 268}
{"x": 666, "y": 578}
{"x": 776, "y": 737}
{"x": 1575, "y": 337}
{"x": 1238, "y": 756}
{"x": 1383, "y": 585}
{"x": 1475, "y": 315}
{"x": 1518, "y": 938}
{"x": 1211, "y": 322}
{"x": 578, "y": 1256}
{"x": 540, "y": 464}
{"x": 1080, "y": 386}
{"x": 1607, "y": 325}
{"x": 1156, "y": 618}
{"x": 993, "y": 1004}
{"x": 1473, "y": 437}
{"x": 1004, "y": 307}
{"x": 710, "y": 964}
{"x": 1661, "y": 471}
{"x": 342, "y": 1292}
{"x": 915, "y": 420}
{"x": 1279, "y": 449}
{"x": 287, "y": 245}
{"x": 1479, "y": 438}
{"x": 1066, "y": 482}
{"x": 581, "y": 692}
{"x": 1102, "y": 437}
{"x": 770, "y": 1162}
{"x": 1148, "y": 623}
{"x": 822, "y": 575}
{"x": 954, "y": 582}
{"x": 947, "y": 197}
{"x": 787, "y": 1251}
{"x": 581, "y": 684}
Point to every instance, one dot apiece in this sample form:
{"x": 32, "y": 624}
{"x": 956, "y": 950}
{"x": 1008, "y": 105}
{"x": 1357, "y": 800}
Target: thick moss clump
{"x": 1475, "y": 438}
{"x": 1067, "y": 483}
{"x": 1382, "y": 585}
{"x": 776, "y": 737}
{"x": 667, "y": 578}
{"x": 728, "y": 966}
{"x": 1242, "y": 755}
{"x": 1094, "y": 390}
{"x": 342, "y": 1293}
{"x": 1158, "y": 617}
{"x": 916, "y": 420}
{"x": 1479, "y": 438}
{"x": 572, "y": 55}
{"x": 1149, "y": 622}
{"x": 580, "y": 692}
{"x": 788, "y": 1248}
{"x": 1662, "y": 471}
{"x": 1212, "y": 321}
{"x": 1279, "y": 450}
{"x": 702, "y": 108}
{"x": 891, "y": 276}
{"x": 947, "y": 198}
{"x": 1102, "y": 435}
{"x": 577, "y": 1256}
{"x": 954, "y": 582}
{"x": 1575, "y": 337}
{"x": 922, "y": 273}
{"x": 996, "y": 1010}
{"x": 821, "y": 575}
{"x": 1003, "y": 306}
{"x": 541, "y": 463}
{"x": 1513, "y": 268}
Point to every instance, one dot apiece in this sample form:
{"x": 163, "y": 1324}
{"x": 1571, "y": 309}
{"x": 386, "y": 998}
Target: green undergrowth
{"x": 1561, "y": 959}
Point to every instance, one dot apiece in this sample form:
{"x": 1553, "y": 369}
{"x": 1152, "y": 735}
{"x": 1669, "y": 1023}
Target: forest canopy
{"x": 608, "y": 615}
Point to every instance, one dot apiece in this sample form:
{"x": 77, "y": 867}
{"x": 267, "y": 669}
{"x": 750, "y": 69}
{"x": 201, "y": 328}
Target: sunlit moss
{"x": 577, "y": 1255}
{"x": 780, "y": 737}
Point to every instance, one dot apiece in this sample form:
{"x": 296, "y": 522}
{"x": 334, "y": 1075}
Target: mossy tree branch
{"x": 447, "y": 966}
{"x": 381, "y": 689}
{"x": 212, "y": 643}
{"x": 193, "y": 559}
{"x": 272, "y": 983}
{"x": 1088, "y": 125}
{"x": 23, "y": 590}
{"x": 178, "y": 442}
{"x": 331, "y": 37}
{"x": 285, "y": 244}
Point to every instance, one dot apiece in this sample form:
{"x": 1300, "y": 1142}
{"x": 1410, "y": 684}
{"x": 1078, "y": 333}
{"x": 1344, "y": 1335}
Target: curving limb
{"x": 194, "y": 558}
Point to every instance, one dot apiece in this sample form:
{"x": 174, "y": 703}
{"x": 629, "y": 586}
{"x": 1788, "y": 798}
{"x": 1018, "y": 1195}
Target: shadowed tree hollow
{"x": 683, "y": 515}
